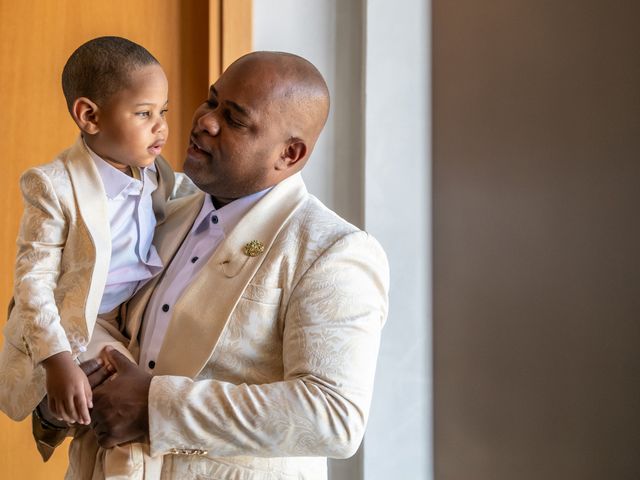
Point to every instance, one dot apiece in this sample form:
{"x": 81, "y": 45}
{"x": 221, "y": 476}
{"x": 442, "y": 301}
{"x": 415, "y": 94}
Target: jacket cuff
{"x": 47, "y": 435}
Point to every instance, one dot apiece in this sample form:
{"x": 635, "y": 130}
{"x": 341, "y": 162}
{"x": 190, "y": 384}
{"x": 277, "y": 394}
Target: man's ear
{"x": 294, "y": 152}
{"x": 85, "y": 114}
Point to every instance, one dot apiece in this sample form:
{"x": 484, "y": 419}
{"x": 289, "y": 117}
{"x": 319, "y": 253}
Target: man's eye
{"x": 230, "y": 120}
{"x": 212, "y": 103}
{"x": 143, "y": 114}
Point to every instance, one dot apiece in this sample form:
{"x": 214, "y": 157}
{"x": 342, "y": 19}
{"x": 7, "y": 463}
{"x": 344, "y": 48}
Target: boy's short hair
{"x": 101, "y": 67}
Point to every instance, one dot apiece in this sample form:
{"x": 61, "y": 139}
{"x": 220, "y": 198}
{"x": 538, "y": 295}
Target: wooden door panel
{"x": 36, "y": 38}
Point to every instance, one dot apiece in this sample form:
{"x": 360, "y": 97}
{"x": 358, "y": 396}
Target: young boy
{"x": 85, "y": 241}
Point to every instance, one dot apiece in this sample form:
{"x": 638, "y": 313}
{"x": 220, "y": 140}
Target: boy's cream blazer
{"x": 64, "y": 250}
{"x": 268, "y": 362}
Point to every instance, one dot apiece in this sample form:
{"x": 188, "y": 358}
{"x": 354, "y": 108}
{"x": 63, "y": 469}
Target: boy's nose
{"x": 161, "y": 125}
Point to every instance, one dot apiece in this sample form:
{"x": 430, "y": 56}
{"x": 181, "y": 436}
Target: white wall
{"x": 372, "y": 166}
{"x": 308, "y": 29}
{"x": 397, "y": 212}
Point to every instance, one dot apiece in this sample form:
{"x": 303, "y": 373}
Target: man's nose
{"x": 208, "y": 122}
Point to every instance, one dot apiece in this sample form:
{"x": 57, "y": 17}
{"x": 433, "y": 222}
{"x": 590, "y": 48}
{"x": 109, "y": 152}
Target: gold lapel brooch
{"x": 253, "y": 248}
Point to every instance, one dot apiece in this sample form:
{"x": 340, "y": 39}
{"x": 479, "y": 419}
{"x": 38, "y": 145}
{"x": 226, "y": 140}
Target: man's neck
{"x": 221, "y": 202}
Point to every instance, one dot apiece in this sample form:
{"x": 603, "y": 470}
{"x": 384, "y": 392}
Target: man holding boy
{"x": 257, "y": 346}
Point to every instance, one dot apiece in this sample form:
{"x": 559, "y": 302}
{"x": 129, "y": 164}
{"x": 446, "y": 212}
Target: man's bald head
{"x": 297, "y": 89}
{"x": 259, "y": 125}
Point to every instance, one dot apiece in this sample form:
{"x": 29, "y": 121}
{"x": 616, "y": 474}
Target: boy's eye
{"x": 143, "y": 114}
{"x": 163, "y": 112}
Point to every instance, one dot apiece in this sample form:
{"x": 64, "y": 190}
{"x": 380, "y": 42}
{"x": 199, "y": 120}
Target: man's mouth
{"x": 193, "y": 145}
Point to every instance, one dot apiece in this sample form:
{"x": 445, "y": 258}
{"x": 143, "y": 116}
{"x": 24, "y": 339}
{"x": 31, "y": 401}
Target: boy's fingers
{"x": 88, "y": 395}
{"x": 83, "y": 411}
{"x": 53, "y": 408}
{"x": 70, "y": 410}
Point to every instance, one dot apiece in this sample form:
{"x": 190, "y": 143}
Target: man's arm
{"x": 330, "y": 345}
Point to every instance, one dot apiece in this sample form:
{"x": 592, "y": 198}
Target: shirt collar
{"x": 229, "y": 215}
{"x": 116, "y": 182}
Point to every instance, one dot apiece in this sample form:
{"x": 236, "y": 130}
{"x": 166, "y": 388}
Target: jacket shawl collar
{"x": 92, "y": 206}
{"x": 195, "y": 327}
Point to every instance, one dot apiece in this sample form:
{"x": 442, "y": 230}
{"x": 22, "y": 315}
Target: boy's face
{"x": 132, "y": 128}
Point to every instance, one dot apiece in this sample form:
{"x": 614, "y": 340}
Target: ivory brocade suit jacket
{"x": 268, "y": 363}
{"x": 64, "y": 250}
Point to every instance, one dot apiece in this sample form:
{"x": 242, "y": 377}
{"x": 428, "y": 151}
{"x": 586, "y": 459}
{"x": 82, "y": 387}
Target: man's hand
{"x": 120, "y": 406}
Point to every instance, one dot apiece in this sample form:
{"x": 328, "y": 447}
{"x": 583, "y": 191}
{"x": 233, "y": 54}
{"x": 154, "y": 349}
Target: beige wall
{"x": 537, "y": 239}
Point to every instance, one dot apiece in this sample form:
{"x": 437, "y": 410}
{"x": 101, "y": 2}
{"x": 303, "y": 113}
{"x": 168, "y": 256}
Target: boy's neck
{"x": 126, "y": 169}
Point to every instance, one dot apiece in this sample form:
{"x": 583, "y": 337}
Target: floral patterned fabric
{"x": 59, "y": 278}
{"x": 268, "y": 363}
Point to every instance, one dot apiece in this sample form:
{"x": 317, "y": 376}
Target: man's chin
{"x": 191, "y": 167}
{"x": 193, "y": 172}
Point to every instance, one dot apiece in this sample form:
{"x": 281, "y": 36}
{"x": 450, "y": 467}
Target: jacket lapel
{"x": 167, "y": 239}
{"x": 203, "y": 311}
{"x": 92, "y": 206}
{"x": 166, "y": 181}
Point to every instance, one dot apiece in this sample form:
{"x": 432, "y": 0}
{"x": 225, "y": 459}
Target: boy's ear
{"x": 85, "y": 114}
{"x": 295, "y": 150}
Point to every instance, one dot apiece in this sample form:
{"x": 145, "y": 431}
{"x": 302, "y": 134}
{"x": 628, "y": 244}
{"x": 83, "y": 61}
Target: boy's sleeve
{"x": 46, "y": 435}
{"x": 34, "y": 323}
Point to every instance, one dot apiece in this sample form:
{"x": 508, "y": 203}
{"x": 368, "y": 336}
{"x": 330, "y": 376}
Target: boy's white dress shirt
{"x": 132, "y": 222}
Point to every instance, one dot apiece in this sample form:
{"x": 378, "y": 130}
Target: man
{"x": 257, "y": 346}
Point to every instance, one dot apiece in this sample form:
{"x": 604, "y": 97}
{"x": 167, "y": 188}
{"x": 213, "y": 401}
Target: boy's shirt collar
{"x": 116, "y": 182}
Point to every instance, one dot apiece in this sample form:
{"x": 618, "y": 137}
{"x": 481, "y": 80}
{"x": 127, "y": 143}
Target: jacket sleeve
{"x": 34, "y": 322}
{"x": 331, "y": 337}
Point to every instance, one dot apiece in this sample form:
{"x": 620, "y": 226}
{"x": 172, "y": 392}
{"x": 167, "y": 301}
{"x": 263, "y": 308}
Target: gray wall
{"x": 536, "y": 239}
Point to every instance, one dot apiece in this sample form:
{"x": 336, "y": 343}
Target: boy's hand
{"x": 68, "y": 389}
{"x": 96, "y": 372}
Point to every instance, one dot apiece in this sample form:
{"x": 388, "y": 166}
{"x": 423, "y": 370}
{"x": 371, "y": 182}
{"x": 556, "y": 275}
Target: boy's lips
{"x": 156, "y": 147}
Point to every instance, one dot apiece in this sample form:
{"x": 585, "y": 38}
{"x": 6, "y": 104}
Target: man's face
{"x": 237, "y": 137}
{"x": 132, "y": 124}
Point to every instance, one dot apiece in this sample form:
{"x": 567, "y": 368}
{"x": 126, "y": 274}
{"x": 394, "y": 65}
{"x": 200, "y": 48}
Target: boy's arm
{"x": 34, "y": 323}
{"x": 47, "y": 431}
